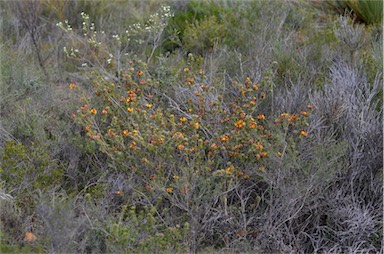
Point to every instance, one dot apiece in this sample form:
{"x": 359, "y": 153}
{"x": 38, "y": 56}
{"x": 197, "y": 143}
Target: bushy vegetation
{"x": 191, "y": 127}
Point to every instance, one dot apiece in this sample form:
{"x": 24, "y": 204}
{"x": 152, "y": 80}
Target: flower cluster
{"x": 136, "y": 131}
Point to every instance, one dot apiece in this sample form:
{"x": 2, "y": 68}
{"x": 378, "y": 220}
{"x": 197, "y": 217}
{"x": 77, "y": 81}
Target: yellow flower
{"x": 310, "y": 106}
{"x": 186, "y": 70}
{"x": 279, "y": 154}
{"x": 304, "y": 113}
{"x": 261, "y": 116}
{"x": 229, "y": 170}
{"x": 183, "y": 119}
{"x": 169, "y": 190}
{"x": 125, "y": 132}
{"x": 176, "y": 177}
{"x": 130, "y": 110}
{"x": 139, "y": 73}
{"x": 256, "y": 87}
{"x": 197, "y": 125}
{"x": 148, "y": 105}
{"x": 93, "y": 111}
{"x": 133, "y": 144}
{"x": 284, "y": 115}
{"x": 135, "y": 132}
{"x": 104, "y": 111}
{"x": 72, "y": 86}
{"x": 119, "y": 192}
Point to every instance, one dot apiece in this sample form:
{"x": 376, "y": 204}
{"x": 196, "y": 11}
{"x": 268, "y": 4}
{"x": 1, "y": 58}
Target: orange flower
{"x": 125, "y": 132}
{"x": 310, "y": 106}
{"x": 253, "y": 125}
{"x": 169, "y": 190}
{"x": 240, "y": 124}
{"x": 133, "y": 144}
{"x": 293, "y": 117}
{"x": 224, "y": 138}
{"x": 130, "y": 110}
{"x": 104, "y": 111}
{"x": 72, "y": 86}
{"x": 262, "y": 95}
{"x": 178, "y": 135}
{"x": 180, "y": 147}
{"x": 261, "y": 116}
{"x": 148, "y": 187}
{"x": 185, "y": 190}
{"x": 93, "y": 111}
{"x": 29, "y": 237}
{"x": 84, "y": 107}
{"x": 304, "y": 113}
{"x": 259, "y": 146}
{"x": 304, "y": 133}
{"x": 256, "y": 87}
{"x": 110, "y": 132}
{"x": 263, "y": 154}
{"x": 214, "y": 146}
{"x": 139, "y": 73}
{"x": 190, "y": 81}
{"x": 284, "y": 115}
{"x": 87, "y": 128}
{"x": 176, "y": 177}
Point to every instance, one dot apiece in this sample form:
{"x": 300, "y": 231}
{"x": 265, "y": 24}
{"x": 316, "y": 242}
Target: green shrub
{"x": 139, "y": 231}
{"x": 31, "y": 165}
{"x": 204, "y": 35}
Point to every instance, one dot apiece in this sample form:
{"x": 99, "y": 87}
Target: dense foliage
{"x": 191, "y": 126}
